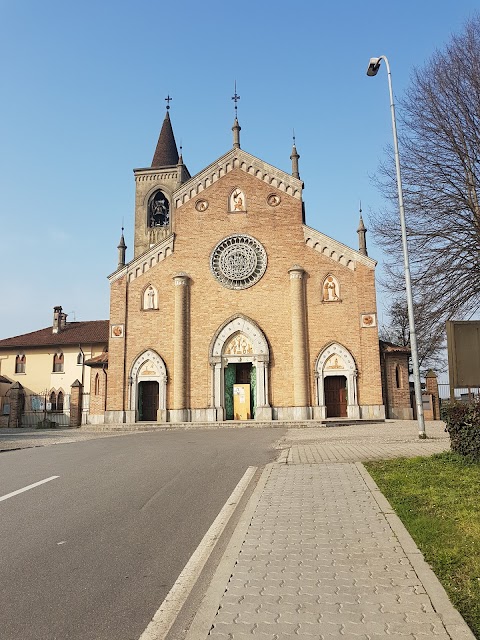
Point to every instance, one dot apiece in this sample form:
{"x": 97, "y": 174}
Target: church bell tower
{"x": 154, "y": 187}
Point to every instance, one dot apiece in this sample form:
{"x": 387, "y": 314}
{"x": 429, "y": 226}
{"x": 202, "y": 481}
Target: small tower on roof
{"x": 362, "y": 235}
{"x": 236, "y": 127}
{"x": 294, "y": 158}
{"x": 122, "y": 247}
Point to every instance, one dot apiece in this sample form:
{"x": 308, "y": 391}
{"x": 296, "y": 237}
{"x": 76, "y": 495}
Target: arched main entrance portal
{"x": 336, "y": 383}
{"x": 148, "y": 387}
{"x": 239, "y": 355}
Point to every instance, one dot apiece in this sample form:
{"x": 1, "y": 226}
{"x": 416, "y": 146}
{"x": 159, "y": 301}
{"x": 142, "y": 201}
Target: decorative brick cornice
{"x": 238, "y": 159}
{"x": 154, "y": 175}
{"x": 146, "y": 261}
{"x": 335, "y": 250}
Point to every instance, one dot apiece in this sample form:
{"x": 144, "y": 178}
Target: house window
{"x": 97, "y": 384}
{"x": 60, "y": 401}
{"x": 53, "y": 401}
{"x": 80, "y": 358}
{"x": 20, "y": 362}
{"x": 58, "y": 363}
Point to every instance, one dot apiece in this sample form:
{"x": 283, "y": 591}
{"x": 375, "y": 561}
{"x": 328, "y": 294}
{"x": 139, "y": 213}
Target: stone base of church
{"x": 292, "y": 413}
{"x": 117, "y": 417}
{"x": 210, "y": 414}
{"x": 179, "y": 415}
{"x": 264, "y": 414}
{"x": 400, "y": 413}
{"x": 372, "y": 412}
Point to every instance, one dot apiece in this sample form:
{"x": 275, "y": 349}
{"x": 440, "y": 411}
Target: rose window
{"x": 238, "y": 262}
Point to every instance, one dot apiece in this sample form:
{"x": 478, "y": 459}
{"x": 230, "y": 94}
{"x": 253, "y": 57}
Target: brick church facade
{"x": 230, "y": 297}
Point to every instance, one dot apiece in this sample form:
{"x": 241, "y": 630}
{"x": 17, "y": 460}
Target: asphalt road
{"x": 91, "y": 554}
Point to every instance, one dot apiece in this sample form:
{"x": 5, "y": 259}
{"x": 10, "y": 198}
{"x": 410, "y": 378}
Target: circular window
{"x": 238, "y": 262}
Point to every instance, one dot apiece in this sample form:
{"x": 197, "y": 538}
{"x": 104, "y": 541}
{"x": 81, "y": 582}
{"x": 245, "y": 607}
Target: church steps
{"x": 229, "y": 424}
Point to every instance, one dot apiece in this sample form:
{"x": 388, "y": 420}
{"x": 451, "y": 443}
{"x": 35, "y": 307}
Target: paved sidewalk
{"x": 319, "y": 553}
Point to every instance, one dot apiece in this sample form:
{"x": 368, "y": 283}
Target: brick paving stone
{"x": 320, "y": 560}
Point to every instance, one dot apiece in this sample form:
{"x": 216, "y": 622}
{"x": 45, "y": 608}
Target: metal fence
{"x": 37, "y": 408}
{"x": 461, "y": 395}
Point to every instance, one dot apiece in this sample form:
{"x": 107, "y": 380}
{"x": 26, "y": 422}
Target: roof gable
{"x": 335, "y": 250}
{"x": 238, "y": 159}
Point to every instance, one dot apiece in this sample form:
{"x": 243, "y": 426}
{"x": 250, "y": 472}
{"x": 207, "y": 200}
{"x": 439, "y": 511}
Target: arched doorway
{"x": 239, "y": 357}
{"x": 148, "y": 387}
{"x": 336, "y": 383}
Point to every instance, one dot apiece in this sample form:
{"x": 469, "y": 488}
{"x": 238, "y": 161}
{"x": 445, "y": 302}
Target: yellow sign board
{"x": 241, "y": 401}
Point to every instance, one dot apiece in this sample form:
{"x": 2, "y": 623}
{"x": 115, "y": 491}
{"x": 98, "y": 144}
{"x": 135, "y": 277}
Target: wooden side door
{"x": 148, "y": 401}
{"x": 335, "y": 396}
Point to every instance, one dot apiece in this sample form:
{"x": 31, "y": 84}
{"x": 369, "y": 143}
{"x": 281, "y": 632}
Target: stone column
{"x": 299, "y": 344}
{"x": 179, "y": 412}
{"x": 16, "y": 397}
{"x": 76, "y": 404}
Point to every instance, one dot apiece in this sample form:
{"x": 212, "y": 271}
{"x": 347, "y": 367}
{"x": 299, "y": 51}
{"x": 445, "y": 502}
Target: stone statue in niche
{"x": 158, "y": 211}
{"x": 237, "y": 201}
{"x": 150, "y": 298}
{"x": 330, "y": 289}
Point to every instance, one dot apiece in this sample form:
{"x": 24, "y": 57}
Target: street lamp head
{"x": 373, "y": 66}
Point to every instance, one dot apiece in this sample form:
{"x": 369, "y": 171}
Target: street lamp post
{"x": 372, "y": 70}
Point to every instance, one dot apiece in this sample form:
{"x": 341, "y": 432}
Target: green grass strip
{"x": 438, "y": 501}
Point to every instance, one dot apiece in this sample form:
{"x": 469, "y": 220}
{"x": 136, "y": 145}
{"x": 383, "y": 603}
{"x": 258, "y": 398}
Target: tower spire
{"x": 294, "y": 158}
{"x": 166, "y": 153}
{"x": 362, "y": 235}
{"x": 236, "y": 127}
{"x": 121, "y": 251}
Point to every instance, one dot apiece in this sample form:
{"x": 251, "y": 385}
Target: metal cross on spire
{"x": 168, "y": 99}
{"x": 235, "y": 98}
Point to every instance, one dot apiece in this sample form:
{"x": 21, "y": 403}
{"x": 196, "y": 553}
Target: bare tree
{"x": 430, "y": 337}
{"x": 440, "y": 157}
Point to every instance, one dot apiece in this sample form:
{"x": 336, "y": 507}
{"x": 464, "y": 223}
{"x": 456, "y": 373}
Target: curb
{"x": 453, "y": 622}
{"x": 203, "y": 620}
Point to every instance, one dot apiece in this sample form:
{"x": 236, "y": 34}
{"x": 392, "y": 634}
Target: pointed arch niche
{"x": 336, "y": 360}
{"x": 149, "y": 300}
{"x": 148, "y": 368}
{"x": 240, "y": 340}
{"x": 237, "y": 202}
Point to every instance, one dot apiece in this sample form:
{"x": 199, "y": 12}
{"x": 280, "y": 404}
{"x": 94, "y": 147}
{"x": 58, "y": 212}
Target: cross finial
{"x": 168, "y": 99}
{"x": 235, "y": 98}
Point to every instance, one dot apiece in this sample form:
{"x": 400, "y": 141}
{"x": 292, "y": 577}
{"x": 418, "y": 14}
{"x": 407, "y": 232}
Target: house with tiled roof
{"x": 47, "y": 362}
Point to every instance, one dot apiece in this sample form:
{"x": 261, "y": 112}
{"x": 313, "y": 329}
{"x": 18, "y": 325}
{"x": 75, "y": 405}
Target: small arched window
{"x": 53, "y": 401}
{"x": 20, "y": 363}
{"x": 97, "y": 384}
{"x": 60, "y": 401}
{"x": 398, "y": 377}
{"x": 58, "y": 363}
{"x": 80, "y": 358}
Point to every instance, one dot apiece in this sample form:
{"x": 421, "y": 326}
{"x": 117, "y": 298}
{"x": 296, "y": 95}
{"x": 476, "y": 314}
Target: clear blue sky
{"x": 82, "y": 103}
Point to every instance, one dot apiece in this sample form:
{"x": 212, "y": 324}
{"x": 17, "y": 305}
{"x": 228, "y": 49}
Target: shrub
{"x": 463, "y": 426}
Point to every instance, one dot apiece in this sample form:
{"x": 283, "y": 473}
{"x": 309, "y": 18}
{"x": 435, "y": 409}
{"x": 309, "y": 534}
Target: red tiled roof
{"x": 98, "y": 361}
{"x": 74, "y": 333}
{"x": 389, "y": 347}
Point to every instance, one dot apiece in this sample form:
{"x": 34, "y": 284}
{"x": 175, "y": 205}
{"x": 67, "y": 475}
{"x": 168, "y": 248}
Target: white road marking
{"x": 30, "y": 486}
{"x": 164, "y": 618}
